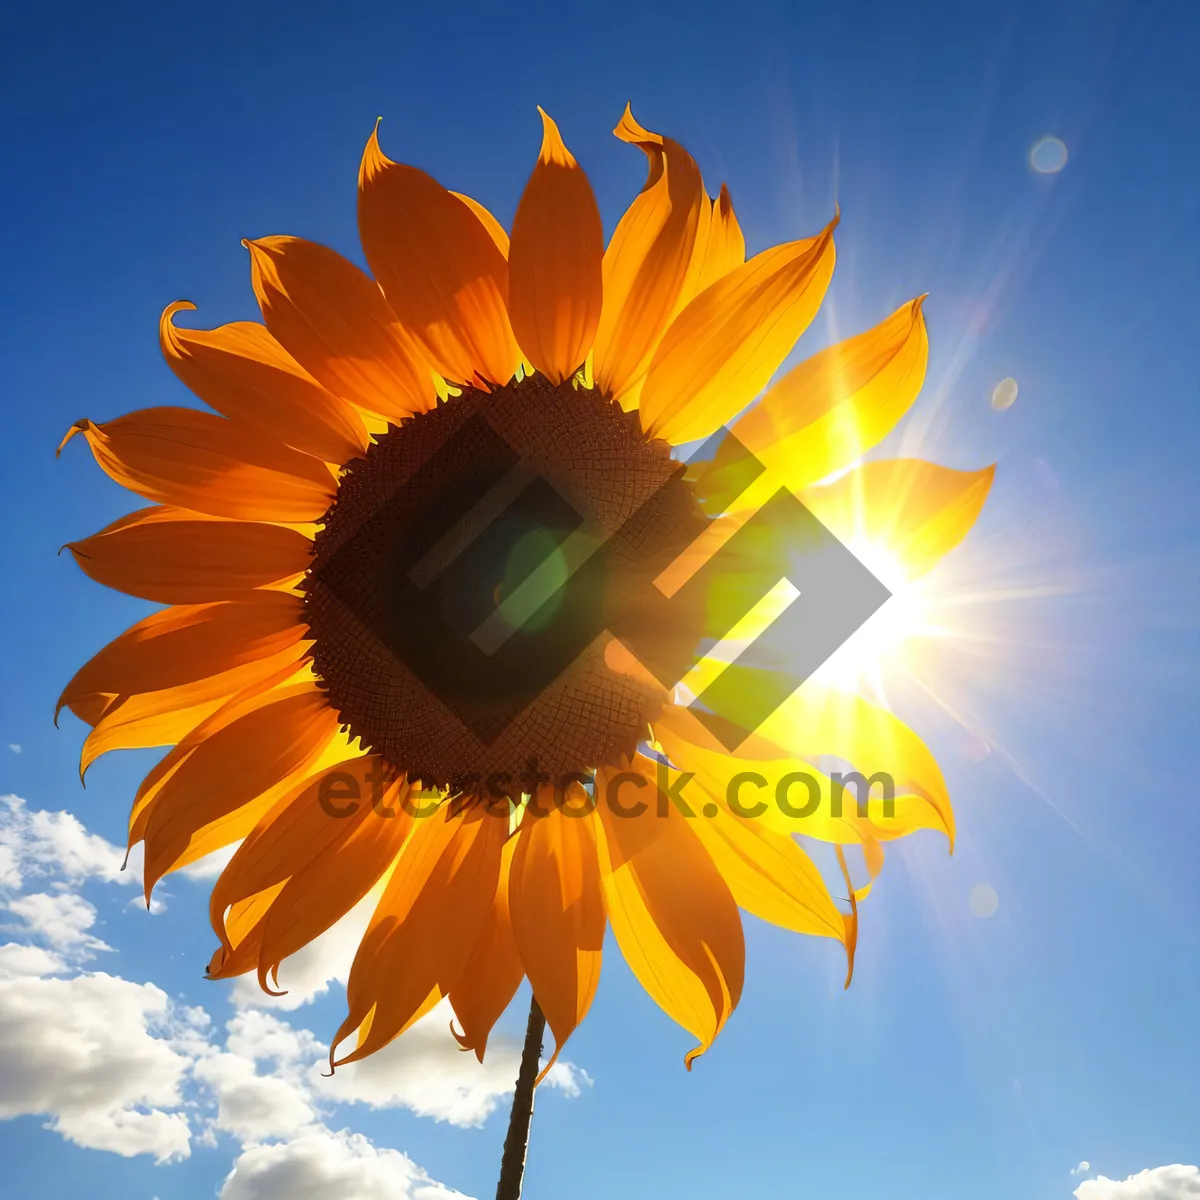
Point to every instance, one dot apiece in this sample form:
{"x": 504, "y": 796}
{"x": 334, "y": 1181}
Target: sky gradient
{"x": 982, "y": 1056}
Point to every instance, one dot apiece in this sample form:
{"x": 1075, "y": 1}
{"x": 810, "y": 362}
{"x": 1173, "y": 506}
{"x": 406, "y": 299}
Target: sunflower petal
{"x": 833, "y": 407}
{"x": 725, "y": 247}
{"x": 494, "y": 972}
{"x": 821, "y": 720}
{"x": 227, "y": 781}
{"x": 769, "y": 875}
{"x": 558, "y": 913}
{"x": 495, "y": 230}
{"x": 426, "y": 926}
{"x": 918, "y": 511}
{"x": 174, "y": 556}
{"x": 319, "y": 850}
{"x": 245, "y": 374}
{"x": 197, "y": 460}
{"x": 440, "y": 269}
{"x": 728, "y": 342}
{"x": 647, "y": 262}
{"x": 333, "y": 320}
{"x": 193, "y": 644}
{"x": 555, "y": 275}
{"x": 672, "y": 914}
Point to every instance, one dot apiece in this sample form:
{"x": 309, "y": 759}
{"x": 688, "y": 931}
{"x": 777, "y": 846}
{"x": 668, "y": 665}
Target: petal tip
{"x": 554, "y": 149}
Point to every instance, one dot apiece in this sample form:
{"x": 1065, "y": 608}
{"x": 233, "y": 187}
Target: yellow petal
{"x": 333, "y": 320}
{"x": 555, "y": 280}
{"x": 440, "y": 269}
{"x": 197, "y": 460}
{"x": 425, "y": 928}
{"x": 768, "y": 874}
{"x": 671, "y": 912}
{"x": 494, "y": 972}
{"x": 245, "y": 762}
{"x": 174, "y": 556}
{"x": 558, "y": 912}
{"x": 647, "y": 261}
{"x": 722, "y": 349}
{"x": 725, "y": 247}
{"x": 245, "y": 374}
{"x": 187, "y": 644}
{"x": 913, "y": 511}
{"x": 821, "y": 720}
{"x": 833, "y": 407}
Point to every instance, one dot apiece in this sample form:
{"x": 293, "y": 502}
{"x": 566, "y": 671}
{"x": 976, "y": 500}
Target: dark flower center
{"x": 470, "y": 577}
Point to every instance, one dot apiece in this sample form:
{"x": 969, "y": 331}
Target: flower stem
{"x": 516, "y": 1142}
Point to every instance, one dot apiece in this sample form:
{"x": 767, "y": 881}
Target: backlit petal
{"x": 197, "y": 460}
{"x": 496, "y": 231}
{"x": 648, "y": 258}
{"x": 725, "y": 247}
{"x": 827, "y": 412}
{"x": 174, "y": 556}
{"x": 226, "y": 782}
{"x": 555, "y": 279}
{"x": 671, "y": 912}
{"x": 913, "y": 510}
{"x": 494, "y": 972}
{"x": 426, "y": 926}
{"x": 244, "y": 373}
{"x": 319, "y": 851}
{"x": 557, "y": 907}
{"x": 333, "y": 320}
{"x": 440, "y": 269}
{"x": 183, "y": 645}
{"x": 722, "y": 349}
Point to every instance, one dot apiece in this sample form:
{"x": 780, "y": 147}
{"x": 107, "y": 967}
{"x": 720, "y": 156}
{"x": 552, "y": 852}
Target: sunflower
{"x": 309, "y": 669}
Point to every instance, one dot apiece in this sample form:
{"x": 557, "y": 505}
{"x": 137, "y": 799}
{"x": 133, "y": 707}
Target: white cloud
{"x": 1083, "y": 1168}
{"x": 84, "y": 1052}
{"x": 251, "y": 1106}
{"x": 425, "y": 1070}
{"x": 60, "y": 918}
{"x": 15, "y": 747}
{"x": 1175, "y": 1182}
{"x": 42, "y": 843}
{"x": 321, "y": 1163}
{"x": 18, "y": 962}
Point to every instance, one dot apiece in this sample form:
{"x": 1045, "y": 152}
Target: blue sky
{"x": 987, "y": 1057}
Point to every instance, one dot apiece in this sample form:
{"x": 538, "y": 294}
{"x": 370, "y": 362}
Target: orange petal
{"x": 174, "y": 556}
{"x": 722, "y": 349}
{"x": 832, "y": 408}
{"x": 208, "y": 788}
{"x": 333, "y": 320}
{"x": 647, "y": 261}
{"x": 671, "y": 912}
{"x": 185, "y": 645}
{"x": 915, "y": 511}
{"x": 496, "y": 231}
{"x": 197, "y": 460}
{"x": 318, "y": 851}
{"x": 165, "y": 717}
{"x": 555, "y": 278}
{"x": 245, "y": 374}
{"x": 426, "y": 926}
{"x": 439, "y": 267}
{"x": 493, "y": 973}
{"x": 725, "y": 247}
{"x": 558, "y": 912}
